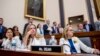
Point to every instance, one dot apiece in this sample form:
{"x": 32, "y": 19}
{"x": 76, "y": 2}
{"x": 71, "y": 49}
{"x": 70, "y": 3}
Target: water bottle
{"x": 53, "y": 41}
{"x": 13, "y": 44}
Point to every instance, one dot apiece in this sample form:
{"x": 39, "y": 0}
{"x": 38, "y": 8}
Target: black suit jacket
{"x": 45, "y": 27}
{"x": 54, "y": 31}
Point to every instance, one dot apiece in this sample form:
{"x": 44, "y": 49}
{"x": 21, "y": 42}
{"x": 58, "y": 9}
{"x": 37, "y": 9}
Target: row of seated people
{"x": 41, "y": 29}
{"x": 71, "y": 44}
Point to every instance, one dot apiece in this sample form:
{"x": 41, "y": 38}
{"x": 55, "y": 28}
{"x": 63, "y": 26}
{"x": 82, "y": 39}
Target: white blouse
{"x": 34, "y": 41}
{"x": 78, "y": 46}
{"x": 8, "y": 43}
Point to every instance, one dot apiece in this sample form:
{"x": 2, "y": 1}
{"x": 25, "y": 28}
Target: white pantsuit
{"x": 77, "y": 44}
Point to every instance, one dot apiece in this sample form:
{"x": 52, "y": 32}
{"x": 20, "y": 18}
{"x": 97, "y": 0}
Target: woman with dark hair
{"x": 9, "y": 41}
{"x": 16, "y": 32}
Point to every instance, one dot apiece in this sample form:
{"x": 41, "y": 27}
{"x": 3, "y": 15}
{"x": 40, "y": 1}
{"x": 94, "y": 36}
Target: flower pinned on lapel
{"x": 75, "y": 41}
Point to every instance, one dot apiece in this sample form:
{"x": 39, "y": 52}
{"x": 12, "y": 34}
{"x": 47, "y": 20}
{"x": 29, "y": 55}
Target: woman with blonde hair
{"x": 72, "y": 44}
{"x": 32, "y": 38}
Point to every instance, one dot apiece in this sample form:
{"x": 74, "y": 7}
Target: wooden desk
{"x": 94, "y": 36}
{"x": 36, "y": 53}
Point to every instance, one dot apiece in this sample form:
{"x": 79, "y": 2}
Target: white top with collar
{"x": 78, "y": 46}
{"x": 7, "y": 43}
{"x": 34, "y": 41}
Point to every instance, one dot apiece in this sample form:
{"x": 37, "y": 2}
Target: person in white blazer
{"x": 31, "y": 37}
{"x": 78, "y": 45}
{"x": 9, "y": 38}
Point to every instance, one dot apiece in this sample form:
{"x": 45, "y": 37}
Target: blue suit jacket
{"x": 2, "y": 32}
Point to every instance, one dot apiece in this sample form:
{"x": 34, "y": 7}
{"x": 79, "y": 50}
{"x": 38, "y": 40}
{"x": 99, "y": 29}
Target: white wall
{"x": 13, "y": 12}
{"x": 75, "y": 8}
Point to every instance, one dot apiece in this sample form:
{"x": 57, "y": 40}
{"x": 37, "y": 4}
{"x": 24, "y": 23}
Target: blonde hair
{"x": 36, "y": 35}
{"x": 28, "y": 28}
{"x": 65, "y": 35}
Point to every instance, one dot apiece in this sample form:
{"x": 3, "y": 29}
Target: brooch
{"x": 75, "y": 41}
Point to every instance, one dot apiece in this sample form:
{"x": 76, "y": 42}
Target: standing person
{"x": 72, "y": 44}
{"x": 55, "y": 28}
{"x": 30, "y": 21}
{"x": 60, "y": 29}
{"x": 46, "y": 27}
{"x": 87, "y": 26}
{"x": 97, "y": 25}
{"x": 2, "y": 31}
{"x": 32, "y": 38}
{"x": 40, "y": 29}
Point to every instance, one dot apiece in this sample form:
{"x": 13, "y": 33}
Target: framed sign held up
{"x": 35, "y": 9}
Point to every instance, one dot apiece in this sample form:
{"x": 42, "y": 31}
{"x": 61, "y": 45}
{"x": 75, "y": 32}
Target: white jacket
{"x": 8, "y": 44}
{"x": 78, "y": 46}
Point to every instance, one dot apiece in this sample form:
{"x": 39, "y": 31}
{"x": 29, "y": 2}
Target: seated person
{"x": 16, "y": 32}
{"x": 80, "y": 28}
{"x": 72, "y": 44}
{"x": 32, "y": 38}
{"x": 10, "y": 40}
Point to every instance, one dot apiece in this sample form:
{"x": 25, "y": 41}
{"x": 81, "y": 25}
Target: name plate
{"x": 47, "y": 48}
